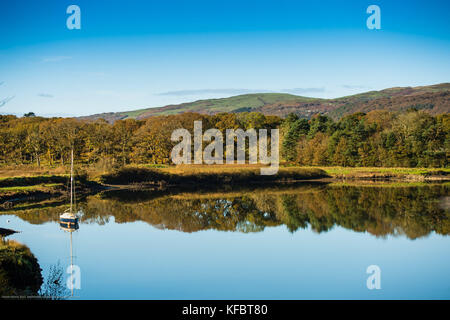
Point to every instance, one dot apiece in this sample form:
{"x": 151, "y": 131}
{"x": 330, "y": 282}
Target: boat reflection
{"x": 68, "y": 222}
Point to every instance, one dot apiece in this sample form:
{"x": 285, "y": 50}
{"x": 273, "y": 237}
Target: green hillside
{"x": 434, "y": 99}
{"x": 239, "y": 103}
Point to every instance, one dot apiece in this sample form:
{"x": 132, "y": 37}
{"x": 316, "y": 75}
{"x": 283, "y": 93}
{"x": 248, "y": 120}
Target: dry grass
{"x": 30, "y": 171}
{"x": 413, "y": 174}
{"x": 383, "y": 170}
{"x": 207, "y": 174}
{"x": 406, "y": 174}
{"x": 202, "y": 169}
{"x": 225, "y": 170}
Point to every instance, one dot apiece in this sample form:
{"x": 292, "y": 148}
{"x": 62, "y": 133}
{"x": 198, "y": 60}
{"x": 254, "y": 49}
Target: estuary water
{"x": 303, "y": 241}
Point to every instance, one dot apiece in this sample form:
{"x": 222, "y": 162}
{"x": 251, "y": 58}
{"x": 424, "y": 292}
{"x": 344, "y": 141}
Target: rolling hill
{"x": 434, "y": 99}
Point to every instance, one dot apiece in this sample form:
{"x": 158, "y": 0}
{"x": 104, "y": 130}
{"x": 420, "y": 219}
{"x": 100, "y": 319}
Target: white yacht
{"x": 68, "y": 221}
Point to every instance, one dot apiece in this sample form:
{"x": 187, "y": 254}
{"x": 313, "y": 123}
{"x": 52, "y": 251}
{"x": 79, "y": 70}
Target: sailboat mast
{"x": 71, "y": 182}
{"x": 71, "y": 263}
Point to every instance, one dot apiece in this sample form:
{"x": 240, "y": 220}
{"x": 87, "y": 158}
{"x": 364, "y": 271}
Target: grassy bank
{"x": 26, "y": 181}
{"x": 374, "y": 173}
{"x": 17, "y": 185}
{"x": 198, "y": 174}
{"x": 33, "y": 192}
{"x": 20, "y": 272}
{"x": 244, "y": 174}
{"x": 39, "y": 187}
{"x": 31, "y": 171}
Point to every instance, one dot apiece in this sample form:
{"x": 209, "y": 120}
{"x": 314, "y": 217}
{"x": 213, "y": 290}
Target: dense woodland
{"x": 379, "y": 138}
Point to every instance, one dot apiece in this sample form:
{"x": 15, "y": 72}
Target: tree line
{"x": 378, "y": 138}
{"x": 49, "y": 141}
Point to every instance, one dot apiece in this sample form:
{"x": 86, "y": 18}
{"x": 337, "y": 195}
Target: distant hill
{"x": 434, "y": 99}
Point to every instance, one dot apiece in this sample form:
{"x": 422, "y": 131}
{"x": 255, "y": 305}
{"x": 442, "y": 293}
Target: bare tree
{"x": 5, "y": 100}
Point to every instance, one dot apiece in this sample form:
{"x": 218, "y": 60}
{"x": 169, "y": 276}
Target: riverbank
{"x": 246, "y": 174}
{"x": 390, "y": 174}
{"x": 16, "y": 188}
{"x": 203, "y": 175}
{"x": 20, "y": 273}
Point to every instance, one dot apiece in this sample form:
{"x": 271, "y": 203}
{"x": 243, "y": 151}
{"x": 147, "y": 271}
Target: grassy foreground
{"x": 20, "y": 273}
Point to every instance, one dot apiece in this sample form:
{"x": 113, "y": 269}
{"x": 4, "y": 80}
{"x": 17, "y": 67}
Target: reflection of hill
{"x": 410, "y": 210}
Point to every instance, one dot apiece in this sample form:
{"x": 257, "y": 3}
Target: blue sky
{"x": 138, "y": 54}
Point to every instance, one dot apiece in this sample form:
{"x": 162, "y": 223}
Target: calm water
{"x": 295, "y": 242}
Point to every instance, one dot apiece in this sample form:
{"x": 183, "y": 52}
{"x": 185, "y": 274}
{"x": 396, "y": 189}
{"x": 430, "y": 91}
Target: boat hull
{"x": 70, "y": 224}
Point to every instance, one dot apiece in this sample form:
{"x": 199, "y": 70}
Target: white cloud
{"x": 46, "y": 95}
{"x": 232, "y": 91}
{"x": 304, "y": 90}
{"x": 348, "y": 86}
{"x": 56, "y": 58}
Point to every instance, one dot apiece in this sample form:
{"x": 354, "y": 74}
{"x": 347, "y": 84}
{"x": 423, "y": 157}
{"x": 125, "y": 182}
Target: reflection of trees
{"x": 413, "y": 211}
{"x": 54, "y": 286}
{"x": 188, "y": 215}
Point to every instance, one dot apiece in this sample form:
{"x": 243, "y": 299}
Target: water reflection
{"x": 379, "y": 209}
{"x": 271, "y": 249}
{"x": 68, "y": 223}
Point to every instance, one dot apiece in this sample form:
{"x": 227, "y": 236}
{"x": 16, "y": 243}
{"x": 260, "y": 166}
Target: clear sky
{"x": 138, "y": 54}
